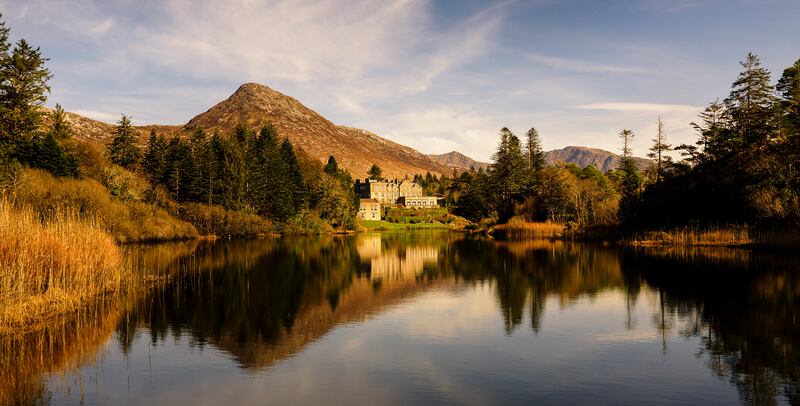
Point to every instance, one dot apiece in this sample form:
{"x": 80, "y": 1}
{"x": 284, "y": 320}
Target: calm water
{"x": 425, "y": 318}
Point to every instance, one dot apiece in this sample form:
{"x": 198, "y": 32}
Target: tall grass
{"x": 53, "y": 267}
{"x": 728, "y": 235}
{"x": 709, "y": 236}
{"x": 518, "y": 228}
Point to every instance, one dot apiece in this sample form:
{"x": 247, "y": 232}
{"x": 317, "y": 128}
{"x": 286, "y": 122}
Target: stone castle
{"x": 394, "y": 192}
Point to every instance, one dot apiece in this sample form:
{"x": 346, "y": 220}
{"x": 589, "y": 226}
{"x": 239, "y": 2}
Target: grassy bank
{"x": 400, "y": 218}
{"x": 730, "y": 236}
{"x": 52, "y": 267}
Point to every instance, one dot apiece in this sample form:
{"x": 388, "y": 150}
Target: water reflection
{"x": 265, "y": 301}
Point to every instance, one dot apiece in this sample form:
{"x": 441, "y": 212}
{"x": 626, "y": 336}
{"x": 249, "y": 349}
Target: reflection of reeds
{"x": 60, "y": 346}
{"x": 53, "y": 267}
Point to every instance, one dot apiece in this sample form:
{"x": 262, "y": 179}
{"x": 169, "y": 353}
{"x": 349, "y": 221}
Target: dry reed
{"x": 518, "y": 228}
{"x": 54, "y": 267}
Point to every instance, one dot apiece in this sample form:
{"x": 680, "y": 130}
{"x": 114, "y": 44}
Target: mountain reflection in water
{"x": 265, "y": 307}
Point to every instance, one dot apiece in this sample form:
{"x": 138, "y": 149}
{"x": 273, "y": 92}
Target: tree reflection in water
{"x": 265, "y": 300}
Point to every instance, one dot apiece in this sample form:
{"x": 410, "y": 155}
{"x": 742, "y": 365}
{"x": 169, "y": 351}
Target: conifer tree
{"x": 789, "y": 90}
{"x": 750, "y": 105}
{"x": 124, "y": 150}
{"x": 659, "y": 149}
{"x": 376, "y": 173}
{"x": 507, "y": 174}
{"x": 23, "y": 90}
{"x": 154, "y": 162}
{"x": 332, "y": 167}
{"x": 631, "y": 179}
{"x": 533, "y": 152}
{"x": 294, "y": 176}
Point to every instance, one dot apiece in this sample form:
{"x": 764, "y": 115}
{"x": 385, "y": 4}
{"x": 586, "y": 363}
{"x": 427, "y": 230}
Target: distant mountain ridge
{"x": 256, "y": 105}
{"x": 581, "y": 156}
{"x": 458, "y": 161}
{"x": 584, "y": 156}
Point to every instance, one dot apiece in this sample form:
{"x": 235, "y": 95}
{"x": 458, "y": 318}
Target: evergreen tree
{"x": 205, "y": 165}
{"x": 294, "y": 176}
{"x": 631, "y": 179}
{"x": 659, "y": 149}
{"x": 124, "y": 150}
{"x": 750, "y": 105}
{"x": 23, "y": 90}
{"x": 789, "y": 90}
{"x": 332, "y": 167}
{"x": 154, "y": 162}
{"x": 507, "y": 175}
{"x": 712, "y": 135}
{"x": 180, "y": 175}
{"x": 533, "y": 152}
{"x": 376, "y": 173}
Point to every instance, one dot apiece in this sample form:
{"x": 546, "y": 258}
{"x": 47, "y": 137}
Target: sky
{"x": 434, "y": 75}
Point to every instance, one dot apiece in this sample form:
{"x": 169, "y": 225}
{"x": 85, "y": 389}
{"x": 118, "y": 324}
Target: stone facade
{"x": 369, "y": 209}
{"x": 394, "y": 192}
{"x": 418, "y": 201}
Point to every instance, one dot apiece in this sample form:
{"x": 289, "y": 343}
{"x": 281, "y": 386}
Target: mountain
{"x": 458, "y": 161}
{"x": 256, "y": 105}
{"x": 355, "y": 149}
{"x": 583, "y": 157}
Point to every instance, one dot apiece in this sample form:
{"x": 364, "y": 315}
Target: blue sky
{"x": 435, "y": 75}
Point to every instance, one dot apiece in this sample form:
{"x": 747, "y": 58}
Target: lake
{"x": 425, "y": 318}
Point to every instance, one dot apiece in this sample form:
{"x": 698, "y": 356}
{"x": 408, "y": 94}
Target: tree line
{"x": 742, "y": 169}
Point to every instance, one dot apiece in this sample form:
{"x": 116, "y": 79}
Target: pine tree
{"x": 294, "y": 176}
{"x": 124, "y": 151}
{"x": 23, "y": 90}
{"x": 534, "y": 156}
{"x": 507, "y": 174}
{"x": 750, "y": 105}
{"x": 713, "y": 135}
{"x": 789, "y": 90}
{"x": 376, "y": 173}
{"x": 205, "y": 165}
{"x": 154, "y": 162}
{"x": 332, "y": 167}
{"x": 631, "y": 179}
{"x": 658, "y": 150}
{"x": 533, "y": 152}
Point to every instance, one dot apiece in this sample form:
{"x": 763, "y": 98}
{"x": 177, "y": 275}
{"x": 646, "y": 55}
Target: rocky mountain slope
{"x": 581, "y": 156}
{"x": 355, "y": 149}
{"x": 458, "y": 161}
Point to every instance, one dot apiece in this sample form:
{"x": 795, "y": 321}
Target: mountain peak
{"x": 255, "y": 105}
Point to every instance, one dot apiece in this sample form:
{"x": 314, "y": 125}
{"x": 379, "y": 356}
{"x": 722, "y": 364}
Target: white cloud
{"x": 639, "y": 107}
{"x": 583, "y": 66}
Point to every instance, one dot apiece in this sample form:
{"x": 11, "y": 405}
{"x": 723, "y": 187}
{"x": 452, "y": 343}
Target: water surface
{"x": 425, "y": 318}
